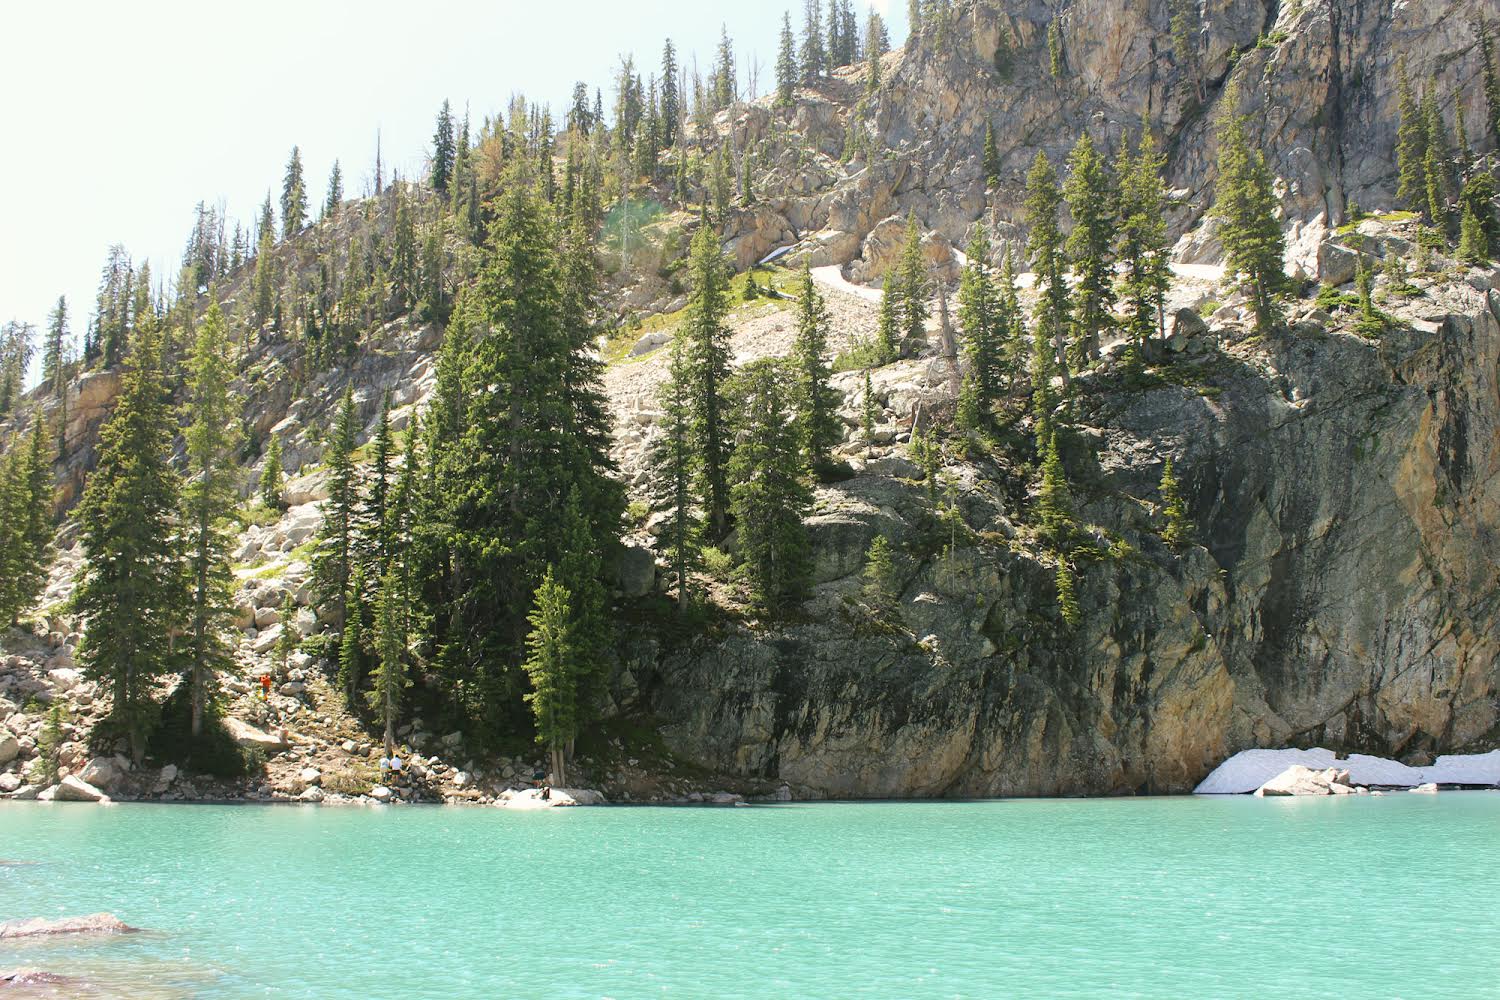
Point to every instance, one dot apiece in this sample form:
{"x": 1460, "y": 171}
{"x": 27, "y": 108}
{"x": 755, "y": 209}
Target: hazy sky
{"x": 120, "y": 117}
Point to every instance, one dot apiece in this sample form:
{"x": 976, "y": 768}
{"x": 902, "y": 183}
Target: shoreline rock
{"x": 94, "y": 923}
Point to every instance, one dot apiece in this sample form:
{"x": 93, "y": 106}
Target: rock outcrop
{"x": 94, "y": 923}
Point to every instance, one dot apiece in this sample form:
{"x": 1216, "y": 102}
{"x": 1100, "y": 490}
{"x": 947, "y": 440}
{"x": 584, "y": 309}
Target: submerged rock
{"x": 94, "y": 923}
{"x": 531, "y": 798}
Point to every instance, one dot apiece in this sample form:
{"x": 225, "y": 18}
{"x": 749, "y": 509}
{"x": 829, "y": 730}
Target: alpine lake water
{"x": 1389, "y": 897}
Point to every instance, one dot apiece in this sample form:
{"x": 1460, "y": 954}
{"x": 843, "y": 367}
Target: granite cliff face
{"x": 1344, "y": 592}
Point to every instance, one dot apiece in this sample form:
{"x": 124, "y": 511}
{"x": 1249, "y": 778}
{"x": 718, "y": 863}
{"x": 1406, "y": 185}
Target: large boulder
{"x": 75, "y": 789}
{"x": 637, "y": 570}
{"x": 250, "y": 738}
{"x": 10, "y": 747}
{"x": 1300, "y": 780}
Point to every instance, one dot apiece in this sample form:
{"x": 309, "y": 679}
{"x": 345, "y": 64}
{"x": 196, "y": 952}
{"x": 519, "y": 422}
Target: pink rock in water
{"x": 94, "y": 923}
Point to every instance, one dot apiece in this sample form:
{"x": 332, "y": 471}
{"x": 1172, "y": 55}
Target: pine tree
{"x": 1437, "y": 162}
{"x": 1411, "y": 145}
{"x": 54, "y": 358}
{"x": 1473, "y": 244}
{"x": 550, "y": 665}
{"x": 1054, "y": 49}
{"x": 334, "y": 556}
{"x": 287, "y": 641}
{"x": 979, "y": 313}
{"x": 1067, "y": 596}
{"x": 869, "y": 414}
{"x": 814, "y": 57}
{"x": 911, "y": 279}
{"x": 443, "y": 150}
{"x": 786, "y": 65}
{"x": 293, "y": 197}
{"x": 133, "y": 595}
{"x": 1491, "y": 84}
{"x": 49, "y": 745}
{"x": 708, "y": 369}
{"x": 352, "y": 643}
{"x": 374, "y": 516}
{"x": 814, "y": 400}
{"x": 673, "y": 466}
{"x": 671, "y": 100}
{"x": 212, "y": 439}
{"x": 1179, "y": 530}
{"x": 392, "y": 642}
{"x": 335, "y": 192}
{"x": 1045, "y": 245}
{"x": 27, "y": 496}
{"x": 887, "y": 332}
{"x": 881, "y": 583}
{"x": 1245, "y": 204}
{"x": 1054, "y": 505}
{"x": 1091, "y": 202}
{"x": 1143, "y": 246}
{"x": 913, "y": 22}
{"x": 770, "y": 496}
{"x": 991, "y": 158}
{"x": 271, "y": 476}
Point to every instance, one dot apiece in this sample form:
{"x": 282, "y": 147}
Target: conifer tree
{"x": 708, "y": 369}
{"x": 286, "y": 642}
{"x": 671, "y": 99}
{"x": 374, "y": 520}
{"x": 1067, "y": 596}
{"x": 209, "y": 495}
{"x": 814, "y": 56}
{"x": 443, "y": 149}
{"x": 1437, "y": 161}
{"x": 979, "y": 313}
{"x": 786, "y": 64}
{"x": 1245, "y": 204}
{"x": 1411, "y": 145}
{"x": 1473, "y": 244}
{"x": 132, "y": 596}
{"x": 1045, "y": 245}
{"x": 911, "y": 279}
{"x": 1179, "y": 530}
{"x": 54, "y": 357}
{"x": 352, "y": 642}
{"x": 27, "y": 496}
{"x": 991, "y": 158}
{"x": 673, "y": 466}
{"x": 1054, "y": 49}
{"x": 881, "y": 585}
{"x": 388, "y": 680}
{"x": 334, "y": 556}
{"x": 913, "y": 22}
{"x": 814, "y": 400}
{"x": 1091, "y": 202}
{"x": 887, "y": 329}
{"x": 1491, "y": 84}
{"x": 770, "y": 494}
{"x": 293, "y": 196}
{"x": 335, "y": 192}
{"x": 271, "y": 475}
{"x": 550, "y": 665}
{"x": 1143, "y": 246}
{"x": 869, "y": 413}
{"x": 1054, "y": 505}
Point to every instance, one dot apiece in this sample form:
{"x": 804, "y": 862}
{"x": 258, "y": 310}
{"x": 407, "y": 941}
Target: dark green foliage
{"x": 271, "y": 476}
{"x": 1067, "y": 596}
{"x": 981, "y": 315}
{"x": 287, "y": 641}
{"x": 1245, "y": 204}
{"x": 49, "y": 745}
{"x": 770, "y": 495}
{"x": 1473, "y": 244}
{"x": 212, "y": 442}
{"x": 389, "y": 680}
{"x": 708, "y": 368}
{"x": 786, "y": 64}
{"x": 26, "y": 500}
{"x": 1054, "y": 505}
{"x": 991, "y": 158}
{"x": 1048, "y": 261}
{"x": 552, "y": 668}
{"x": 443, "y": 150}
{"x": 1091, "y": 197}
{"x": 882, "y": 585}
{"x": 1411, "y": 145}
{"x": 293, "y": 197}
{"x": 352, "y": 644}
{"x": 1491, "y": 85}
{"x": 1143, "y": 248}
{"x": 869, "y": 413}
{"x": 814, "y": 55}
{"x": 1054, "y": 49}
{"x": 911, "y": 286}
{"x": 334, "y": 556}
{"x": 335, "y": 192}
{"x": 674, "y": 467}
{"x": 814, "y": 400}
{"x": 1179, "y": 530}
{"x": 133, "y": 593}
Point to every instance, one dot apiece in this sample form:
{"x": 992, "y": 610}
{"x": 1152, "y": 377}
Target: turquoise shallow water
{"x": 1174, "y": 898}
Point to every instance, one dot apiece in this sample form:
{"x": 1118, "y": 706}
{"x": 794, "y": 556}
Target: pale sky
{"x": 119, "y": 117}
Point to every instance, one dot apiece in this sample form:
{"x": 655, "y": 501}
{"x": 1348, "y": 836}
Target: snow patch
{"x": 1249, "y": 769}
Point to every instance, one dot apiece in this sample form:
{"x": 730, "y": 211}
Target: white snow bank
{"x": 1249, "y": 769}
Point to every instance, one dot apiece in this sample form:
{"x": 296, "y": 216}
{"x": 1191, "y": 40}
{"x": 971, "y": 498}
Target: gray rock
{"x": 95, "y": 923}
{"x": 10, "y": 747}
{"x": 637, "y": 570}
{"x": 9, "y": 782}
{"x": 75, "y": 789}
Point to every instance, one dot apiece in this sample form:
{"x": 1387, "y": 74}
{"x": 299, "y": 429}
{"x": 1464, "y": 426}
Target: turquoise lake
{"x": 1391, "y": 897}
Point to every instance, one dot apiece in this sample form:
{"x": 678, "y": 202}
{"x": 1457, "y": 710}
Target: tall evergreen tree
{"x": 132, "y": 595}
{"x": 443, "y": 149}
{"x": 786, "y": 64}
{"x": 392, "y": 641}
{"x": 708, "y": 370}
{"x": 27, "y": 496}
{"x": 887, "y": 328}
{"x": 814, "y": 401}
{"x": 352, "y": 642}
{"x": 814, "y": 55}
{"x": 552, "y": 668}
{"x": 770, "y": 493}
{"x": 673, "y": 465}
{"x": 334, "y": 556}
{"x": 1048, "y": 261}
{"x": 293, "y": 196}
{"x": 1143, "y": 247}
{"x": 1411, "y": 144}
{"x": 374, "y": 520}
{"x": 1091, "y": 197}
{"x": 671, "y": 98}
{"x": 991, "y": 158}
{"x": 1245, "y": 203}
{"x": 1179, "y": 530}
{"x": 271, "y": 475}
{"x": 1054, "y": 503}
{"x": 911, "y": 277}
{"x": 55, "y": 356}
{"x": 212, "y": 439}
{"x": 1491, "y": 84}
{"x": 335, "y": 192}
{"x": 979, "y": 314}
